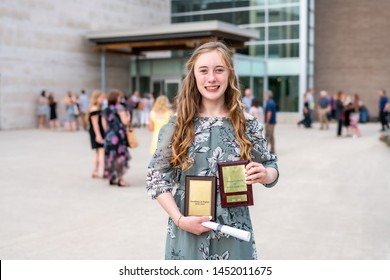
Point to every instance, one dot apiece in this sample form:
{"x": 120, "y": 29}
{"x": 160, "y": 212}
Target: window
{"x": 226, "y": 17}
{"x": 283, "y": 50}
{"x": 274, "y": 2}
{"x": 283, "y": 32}
{"x": 284, "y": 14}
{"x": 285, "y": 91}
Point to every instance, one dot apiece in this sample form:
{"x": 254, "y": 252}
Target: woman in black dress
{"x": 339, "y": 113}
{"x": 96, "y": 131}
{"x": 53, "y": 122}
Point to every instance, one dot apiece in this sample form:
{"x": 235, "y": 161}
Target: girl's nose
{"x": 211, "y": 77}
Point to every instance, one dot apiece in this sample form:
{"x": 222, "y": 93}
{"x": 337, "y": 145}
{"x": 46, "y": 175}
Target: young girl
{"x": 96, "y": 131}
{"x": 158, "y": 117}
{"x": 210, "y": 127}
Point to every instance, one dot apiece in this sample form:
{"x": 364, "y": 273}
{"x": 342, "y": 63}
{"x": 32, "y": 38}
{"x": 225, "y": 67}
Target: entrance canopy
{"x": 180, "y": 36}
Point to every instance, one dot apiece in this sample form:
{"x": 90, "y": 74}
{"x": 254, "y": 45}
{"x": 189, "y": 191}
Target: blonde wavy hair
{"x": 161, "y": 105}
{"x": 189, "y": 104}
{"x": 93, "y": 101}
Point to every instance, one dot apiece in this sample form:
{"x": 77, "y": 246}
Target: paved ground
{"x": 332, "y": 200}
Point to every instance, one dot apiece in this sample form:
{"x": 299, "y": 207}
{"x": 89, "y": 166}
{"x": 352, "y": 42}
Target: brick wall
{"x": 352, "y": 48}
{"x": 42, "y": 46}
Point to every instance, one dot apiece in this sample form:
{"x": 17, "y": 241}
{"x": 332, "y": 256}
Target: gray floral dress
{"x": 214, "y": 142}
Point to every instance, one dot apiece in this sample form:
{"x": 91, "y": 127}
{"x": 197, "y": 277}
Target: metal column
{"x": 103, "y": 70}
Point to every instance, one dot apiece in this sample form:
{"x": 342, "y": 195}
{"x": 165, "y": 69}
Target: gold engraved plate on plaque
{"x": 234, "y": 179}
{"x": 237, "y": 198}
{"x": 233, "y": 189}
{"x": 200, "y": 196}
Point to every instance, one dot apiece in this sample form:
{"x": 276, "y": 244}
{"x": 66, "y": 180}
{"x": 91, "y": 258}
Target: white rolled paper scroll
{"x": 235, "y": 232}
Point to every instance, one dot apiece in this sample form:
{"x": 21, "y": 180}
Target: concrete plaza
{"x": 332, "y": 200}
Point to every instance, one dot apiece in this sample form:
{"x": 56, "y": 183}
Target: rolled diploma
{"x": 235, "y": 232}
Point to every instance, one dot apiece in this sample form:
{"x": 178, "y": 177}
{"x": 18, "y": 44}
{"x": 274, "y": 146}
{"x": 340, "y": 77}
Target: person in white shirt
{"x": 247, "y": 99}
{"x": 256, "y": 110}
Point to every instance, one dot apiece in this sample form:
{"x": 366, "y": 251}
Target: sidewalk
{"x": 332, "y": 200}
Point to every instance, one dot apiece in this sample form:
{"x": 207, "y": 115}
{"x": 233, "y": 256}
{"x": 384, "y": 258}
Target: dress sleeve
{"x": 260, "y": 152}
{"x": 161, "y": 176}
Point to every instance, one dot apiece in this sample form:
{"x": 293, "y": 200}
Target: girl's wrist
{"x": 178, "y": 221}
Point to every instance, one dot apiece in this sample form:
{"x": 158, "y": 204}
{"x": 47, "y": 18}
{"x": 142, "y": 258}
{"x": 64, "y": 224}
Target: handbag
{"x": 132, "y": 140}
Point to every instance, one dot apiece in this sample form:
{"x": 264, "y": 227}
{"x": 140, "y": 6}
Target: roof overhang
{"x": 180, "y": 36}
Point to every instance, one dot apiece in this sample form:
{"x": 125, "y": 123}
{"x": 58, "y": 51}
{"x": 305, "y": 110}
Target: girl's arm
{"x": 125, "y": 117}
{"x": 150, "y": 124}
{"x": 191, "y": 224}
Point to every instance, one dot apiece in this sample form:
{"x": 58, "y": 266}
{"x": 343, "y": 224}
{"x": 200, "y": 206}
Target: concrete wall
{"x": 42, "y": 46}
{"x": 352, "y": 48}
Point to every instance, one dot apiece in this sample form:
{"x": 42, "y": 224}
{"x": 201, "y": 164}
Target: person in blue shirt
{"x": 384, "y": 106}
{"x": 324, "y": 109}
{"x": 270, "y": 119}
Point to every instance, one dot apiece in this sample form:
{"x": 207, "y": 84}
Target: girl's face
{"x": 212, "y": 76}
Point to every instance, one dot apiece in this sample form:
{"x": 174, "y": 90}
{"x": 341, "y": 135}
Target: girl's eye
{"x": 219, "y": 70}
{"x": 203, "y": 71}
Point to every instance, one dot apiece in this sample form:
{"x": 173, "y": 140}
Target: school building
{"x": 286, "y": 46}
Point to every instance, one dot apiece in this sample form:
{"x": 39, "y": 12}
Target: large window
{"x": 278, "y": 24}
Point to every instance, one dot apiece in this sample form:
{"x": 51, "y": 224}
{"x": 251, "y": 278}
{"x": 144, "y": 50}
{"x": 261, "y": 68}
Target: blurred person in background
{"x": 384, "y": 107}
{"x": 53, "y": 119}
{"x": 310, "y": 100}
{"x": 43, "y": 110}
{"x": 84, "y": 103}
{"x": 70, "y": 106}
{"x": 355, "y": 115}
{"x": 270, "y": 120}
{"x": 339, "y": 111}
{"x": 147, "y": 102}
{"x": 323, "y": 109}
{"x": 76, "y": 111}
{"x": 96, "y": 131}
{"x": 159, "y": 116}
{"x": 256, "y": 110}
{"x": 247, "y": 99}
{"x": 116, "y": 153}
{"x": 348, "y": 108}
{"x": 306, "y": 121}
{"x": 134, "y": 105}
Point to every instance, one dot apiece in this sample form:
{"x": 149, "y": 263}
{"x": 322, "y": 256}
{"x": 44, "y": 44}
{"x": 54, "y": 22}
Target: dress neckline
{"x": 211, "y": 118}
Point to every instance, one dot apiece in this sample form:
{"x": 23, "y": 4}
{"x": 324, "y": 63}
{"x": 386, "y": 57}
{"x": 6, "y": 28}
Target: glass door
{"x": 172, "y": 89}
{"x": 158, "y": 88}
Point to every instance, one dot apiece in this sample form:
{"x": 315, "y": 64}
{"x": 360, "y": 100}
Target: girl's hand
{"x": 255, "y": 173}
{"x": 99, "y": 140}
{"x": 193, "y": 224}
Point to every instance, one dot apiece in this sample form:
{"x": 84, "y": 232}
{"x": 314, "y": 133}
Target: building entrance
{"x": 166, "y": 87}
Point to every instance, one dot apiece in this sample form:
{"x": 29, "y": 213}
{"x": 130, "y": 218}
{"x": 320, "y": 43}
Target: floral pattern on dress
{"x": 116, "y": 154}
{"x": 214, "y": 142}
